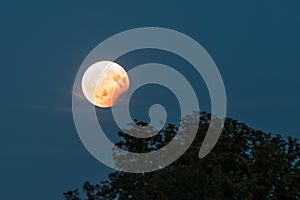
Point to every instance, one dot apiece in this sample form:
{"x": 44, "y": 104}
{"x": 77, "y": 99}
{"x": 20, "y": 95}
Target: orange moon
{"x": 104, "y": 82}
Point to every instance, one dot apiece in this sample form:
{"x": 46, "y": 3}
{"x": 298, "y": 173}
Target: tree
{"x": 245, "y": 164}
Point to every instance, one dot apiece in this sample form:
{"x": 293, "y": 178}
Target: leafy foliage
{"x": 245, "y": 164}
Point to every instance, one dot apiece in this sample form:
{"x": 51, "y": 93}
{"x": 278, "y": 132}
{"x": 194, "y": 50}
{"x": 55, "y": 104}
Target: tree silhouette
{"x": 245, "y": 164}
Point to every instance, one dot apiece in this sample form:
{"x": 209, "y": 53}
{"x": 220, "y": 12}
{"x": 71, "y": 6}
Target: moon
{"x": 103, "y": 83}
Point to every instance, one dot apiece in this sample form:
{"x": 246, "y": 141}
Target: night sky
{"x": 255, "y": 44}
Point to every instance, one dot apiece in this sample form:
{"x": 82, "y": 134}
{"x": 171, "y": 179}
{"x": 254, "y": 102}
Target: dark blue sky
{"x": 255, "y": 44}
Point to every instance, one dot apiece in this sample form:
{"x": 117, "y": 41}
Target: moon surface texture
{"x": 104, "y": 82}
